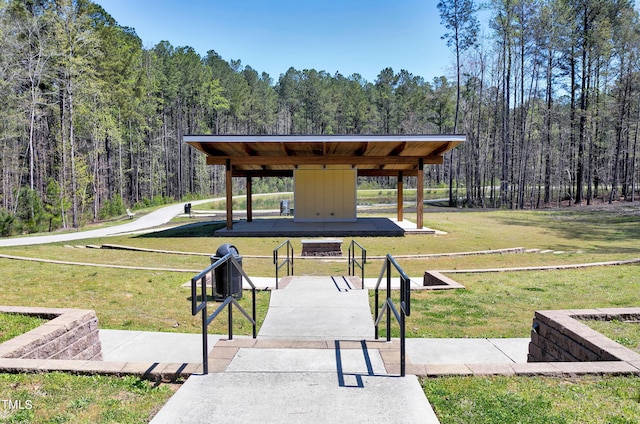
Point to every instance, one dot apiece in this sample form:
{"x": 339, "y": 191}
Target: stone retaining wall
{"x": 324, "y": 247}
{"x": 435, "y": 280}
{"x": 558, "y": 336}
{"x": 69, "y": 334}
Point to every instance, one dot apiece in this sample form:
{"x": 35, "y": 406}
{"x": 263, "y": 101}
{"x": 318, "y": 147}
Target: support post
{"x": 400, "y": 197}
{"x": 388, "y": 298}
{"x": 229, "y": 189}
{"x": 249, "y": 202}
{"x": 228, "y": 293}
{"x": 420, "y": 195}
{"x": 205, "y": 338}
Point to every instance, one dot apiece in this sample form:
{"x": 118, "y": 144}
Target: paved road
{"x": 150, "y": 220}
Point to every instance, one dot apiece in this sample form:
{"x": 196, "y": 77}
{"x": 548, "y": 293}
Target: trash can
{"x": 187, "y": 208}
{"x": 221, "y": 289}
{"x": 284, "y": 207}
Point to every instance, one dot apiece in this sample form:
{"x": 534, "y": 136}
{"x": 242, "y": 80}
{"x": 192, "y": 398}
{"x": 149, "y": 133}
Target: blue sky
{"x": 346, "y": 36}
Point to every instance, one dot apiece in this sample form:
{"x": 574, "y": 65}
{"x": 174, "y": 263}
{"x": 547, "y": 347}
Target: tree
{"x": 503, "y": 24}
{"x": 289, "y": 102}
{"x": 458, "y": 17}
{"x": 590, "y": 26}
{"x": 262, "y": 102}
{"x": 385, "y": 99}
{"x": 77, "y": 44}
{"x": 550, "y": 105}
{"x": 115, "y": 111}
{"x": 626, "y": 35}
{"x": 33, "y": 49}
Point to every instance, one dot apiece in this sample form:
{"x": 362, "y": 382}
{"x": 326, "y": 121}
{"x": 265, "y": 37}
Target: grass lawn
{"x": 12, "y": 325}
{"x": 534, "y": 400}
{"x": 493, "y": 305}
{"x": 65, "y": 398}
{"x": 503, "y": 304}
{"x": 122, "y": 299}
{"x": 625, "y": 333}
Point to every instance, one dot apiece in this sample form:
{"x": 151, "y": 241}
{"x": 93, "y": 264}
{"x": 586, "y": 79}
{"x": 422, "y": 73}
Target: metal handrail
{"x": 288, "y": 261}
{"x": 353, "y": 262}
{"x": 389, "y": 305}
{"x": 208, "y": 274}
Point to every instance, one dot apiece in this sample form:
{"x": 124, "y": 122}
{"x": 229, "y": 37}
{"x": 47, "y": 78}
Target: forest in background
{"x": 91, "y": 122}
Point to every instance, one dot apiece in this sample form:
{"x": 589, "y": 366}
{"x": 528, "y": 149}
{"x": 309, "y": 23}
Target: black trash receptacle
{"x": 221, "y": 289}
{"x": 284, "y": 207}
{"x": 187, "y": 208}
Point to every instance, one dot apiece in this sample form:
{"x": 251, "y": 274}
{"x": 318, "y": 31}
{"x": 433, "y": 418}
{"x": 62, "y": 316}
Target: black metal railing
{"x": 389, "y": 306}
{"x": 288, "y": 260}
{"x": 209, "y": 275}
{"x": 354, "y": 262}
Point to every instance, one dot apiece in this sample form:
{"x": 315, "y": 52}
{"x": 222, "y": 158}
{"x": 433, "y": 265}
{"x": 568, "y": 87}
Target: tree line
{"x": 91, "y": 121}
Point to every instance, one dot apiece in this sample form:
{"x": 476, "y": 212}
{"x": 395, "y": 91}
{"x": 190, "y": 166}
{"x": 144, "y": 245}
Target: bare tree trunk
{"x": 506, "y": 125}
{"x": 63, "y": 167}
{"x": 547, "y": 122}
{"x": 633, "y": 162}
{"x": 72, "y": 153}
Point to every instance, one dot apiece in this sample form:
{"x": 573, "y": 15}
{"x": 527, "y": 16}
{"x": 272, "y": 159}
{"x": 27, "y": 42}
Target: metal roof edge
{"x": 203, "y": 138}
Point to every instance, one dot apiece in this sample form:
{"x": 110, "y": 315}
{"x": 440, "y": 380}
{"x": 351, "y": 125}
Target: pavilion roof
{"x": 280, "y": 154}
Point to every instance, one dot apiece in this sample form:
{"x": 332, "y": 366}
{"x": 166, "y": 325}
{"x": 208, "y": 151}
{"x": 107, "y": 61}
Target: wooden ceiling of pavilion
{"x": 279, "y": 155}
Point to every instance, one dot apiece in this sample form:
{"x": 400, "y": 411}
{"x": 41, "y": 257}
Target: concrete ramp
{"x": 300, "y": 397}
{"x": 318, "y": 308}
{"x": 283, "y": 378}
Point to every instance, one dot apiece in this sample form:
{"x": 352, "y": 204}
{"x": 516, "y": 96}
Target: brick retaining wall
{"x": 558, "y": 336}
{"x": 69, "y": 342}
{"x": 69, "y": 334}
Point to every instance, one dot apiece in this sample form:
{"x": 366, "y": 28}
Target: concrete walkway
{"x": 148, "y": 346}
{"x": 314, "y": 385}
{"x": 165, "y": 214}
{"x": 153, "y": 219}
{"x": 318, "y": 308}
{"x": 314, "y": 360}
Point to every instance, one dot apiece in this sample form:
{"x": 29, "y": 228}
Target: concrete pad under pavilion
{"x": 324, "y": 167}
{"x": 287, "y": 227}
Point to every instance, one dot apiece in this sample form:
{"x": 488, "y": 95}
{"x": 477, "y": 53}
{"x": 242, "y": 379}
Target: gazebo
{"x": 324, "y": 167}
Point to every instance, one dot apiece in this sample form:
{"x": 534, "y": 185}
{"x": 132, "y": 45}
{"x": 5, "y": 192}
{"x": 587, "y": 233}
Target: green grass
{"x": 625, "y": 333}
{"x": 532, "y": 400}
{"x": 12, "y": 325}
{"x": 122, "y": 299}
{"x": 496, "y": 305}
{"x": 64, "y": 398}
{"x": 259, "y": 202}
{"x": 493, "y": 305}
{"x": 503, "y": 304}
{"x": 390, "y": 196}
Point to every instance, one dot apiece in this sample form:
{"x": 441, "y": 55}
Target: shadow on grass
{"x": 198, "y": 229}
{"x": 607, "y": 225}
